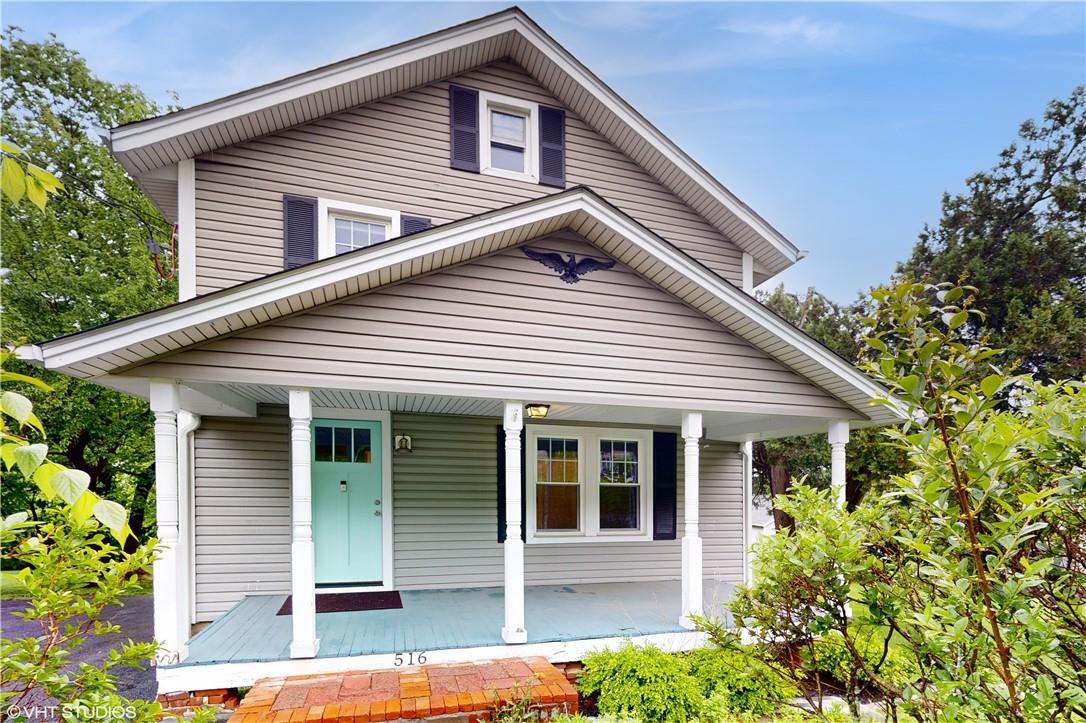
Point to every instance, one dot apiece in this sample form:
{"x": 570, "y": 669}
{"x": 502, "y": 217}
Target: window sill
{"x": 511, "y": 175}
{"x": 585, "y": 539}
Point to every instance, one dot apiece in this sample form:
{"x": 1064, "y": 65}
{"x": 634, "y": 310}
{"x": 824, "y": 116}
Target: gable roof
{"x": 133, "y": 341}
{"x": 147, "y": 147}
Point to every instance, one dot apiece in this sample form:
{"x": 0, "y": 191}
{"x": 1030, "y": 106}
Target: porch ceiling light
{"x": 537, "y": 411}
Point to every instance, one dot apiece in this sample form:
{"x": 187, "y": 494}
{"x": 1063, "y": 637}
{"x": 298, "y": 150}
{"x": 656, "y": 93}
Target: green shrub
{"x": 644, "y": 683}
{"x": 834, "y": 659}
{"x": 743, "y": 683}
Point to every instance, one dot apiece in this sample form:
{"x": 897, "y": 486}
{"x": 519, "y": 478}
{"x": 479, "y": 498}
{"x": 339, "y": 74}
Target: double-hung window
{"x": 509, "y": 137}
{"x": 344, "y": 226}
{"x": 588, "y": 484}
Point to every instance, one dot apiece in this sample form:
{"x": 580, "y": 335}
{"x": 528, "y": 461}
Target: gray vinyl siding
{"x": 507, "y": 323}
{"x": 444, "y": 514}
{"x": 242, "y": 505}
{"x": 394, "y": 154}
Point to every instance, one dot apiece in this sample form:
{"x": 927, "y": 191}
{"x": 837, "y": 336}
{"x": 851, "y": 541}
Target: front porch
{"x": 563, "y": 622}
{"x": 432, "y": 620}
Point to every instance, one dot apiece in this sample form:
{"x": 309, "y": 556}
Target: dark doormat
{"x": 347, "y": 602}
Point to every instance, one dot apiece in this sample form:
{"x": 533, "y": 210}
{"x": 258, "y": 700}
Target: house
{"x": 459, "y": 326}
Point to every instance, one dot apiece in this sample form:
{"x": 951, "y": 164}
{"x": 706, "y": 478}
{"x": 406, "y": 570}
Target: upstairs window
{"x": 343, "y": 226}
{"x": 508, "y": 137}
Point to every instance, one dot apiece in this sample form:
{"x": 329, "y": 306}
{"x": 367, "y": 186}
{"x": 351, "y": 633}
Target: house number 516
{"x": 410, "y": 658}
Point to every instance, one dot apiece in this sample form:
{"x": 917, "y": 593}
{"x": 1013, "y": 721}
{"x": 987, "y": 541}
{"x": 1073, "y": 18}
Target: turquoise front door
{"x": 348, "y": 507}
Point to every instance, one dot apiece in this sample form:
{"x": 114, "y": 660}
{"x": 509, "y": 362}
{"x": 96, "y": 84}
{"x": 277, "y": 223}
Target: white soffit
{"x": 162, "y": 141}
{"x": 128, "y": 343}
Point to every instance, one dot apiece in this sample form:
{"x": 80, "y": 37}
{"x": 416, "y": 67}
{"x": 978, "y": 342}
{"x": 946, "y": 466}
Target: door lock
{"x": 377, "y": 502}
{"x": 377, "y": 513}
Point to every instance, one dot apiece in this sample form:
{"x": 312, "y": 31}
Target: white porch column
{"x": 165, "y": 401}
{"x": 187, "y": 424}
{"x": 746, "y": 452}
{"x": 304, "y": 641}
{"x": 691, "y": 555}
{"x": 838, "y": 438}
{"x": 513, "y": 631}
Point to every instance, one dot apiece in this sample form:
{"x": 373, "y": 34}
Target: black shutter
{"x": 665, "y": 465}
{"x": 501, "y": 487}
{"x": 552, "y": 146}
{"x": 464, "y": 128}
{"x": 413, "y": 224}
{"x": 299, "y": 231}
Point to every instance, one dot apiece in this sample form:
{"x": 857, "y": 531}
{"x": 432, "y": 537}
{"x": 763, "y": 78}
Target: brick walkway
{"x": 412, "y": 693}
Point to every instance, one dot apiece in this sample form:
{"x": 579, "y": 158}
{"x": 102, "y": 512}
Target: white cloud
{"x": 800, "y": 29}
{"x": 1033, "y": 18}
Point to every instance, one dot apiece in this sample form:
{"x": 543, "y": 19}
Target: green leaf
{"x": 7, "y": 377}
{"x": 29, "y": 457}
{"x": 9, "y": 147}
{"x": 35, "y": 193}
{"x": 113, "y": 516}
{"x": 7, "y": 453}
{"x": 958, "y": 319}
{"x": 12, "y": 180}
{"x": 70, "y": 484}
{"x": 43, "y": 478}
{"x": 17, "y": 406}
{"x": 84, "y": 506}
{"x": 990, "y": 384}
{"x": 48, "y": 181}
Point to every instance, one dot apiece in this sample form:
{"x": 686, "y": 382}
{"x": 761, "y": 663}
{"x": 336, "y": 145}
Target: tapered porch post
{"x": 691, "y": 555}
{"x": 838, "y": 438}
{"x": 513, "y": 631}
{"x": 165, "y": 401}
{"x": 304, "y": 641}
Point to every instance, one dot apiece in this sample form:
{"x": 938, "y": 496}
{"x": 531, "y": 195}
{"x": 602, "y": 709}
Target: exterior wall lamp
{"x": 536, "y": 411}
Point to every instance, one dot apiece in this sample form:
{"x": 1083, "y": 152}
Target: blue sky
{"x": 841, "y": 123}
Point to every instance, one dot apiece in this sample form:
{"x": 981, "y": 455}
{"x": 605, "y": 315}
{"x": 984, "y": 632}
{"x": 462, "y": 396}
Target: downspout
{"x": 187, "y": 424}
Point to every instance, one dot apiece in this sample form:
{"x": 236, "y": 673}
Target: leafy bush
{"x": 644, "y": 683}
{"x": 833, "y": 658}
{"x": 738, "y": 681}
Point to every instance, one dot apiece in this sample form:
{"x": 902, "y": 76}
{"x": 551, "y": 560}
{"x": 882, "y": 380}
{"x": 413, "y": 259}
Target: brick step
{"x": 417, "y": 693}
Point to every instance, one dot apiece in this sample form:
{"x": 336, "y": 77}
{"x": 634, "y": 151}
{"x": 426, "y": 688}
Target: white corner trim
{"x": 388, "y": 577}
{"x": 326, "y": 207}
{"x": 530, "y": 111}
{"x": 186, "y": 229}
{"x": 748, "y": 273}
{"x": 187, "y": 424}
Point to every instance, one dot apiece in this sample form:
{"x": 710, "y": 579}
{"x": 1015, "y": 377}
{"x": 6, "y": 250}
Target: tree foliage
{"x": 83, "y": 263}
{"x": 973, "y": 564}
{"x": 1018, "y": 234}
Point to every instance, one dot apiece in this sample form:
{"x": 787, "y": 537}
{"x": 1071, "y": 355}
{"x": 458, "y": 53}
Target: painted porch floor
{"x": 448, "y": 619}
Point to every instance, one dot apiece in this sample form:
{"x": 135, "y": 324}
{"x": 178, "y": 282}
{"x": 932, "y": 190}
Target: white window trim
{"x": 327, "y": 207}
{"x": 527, "y": 108}
{"x": 588, "y": 469}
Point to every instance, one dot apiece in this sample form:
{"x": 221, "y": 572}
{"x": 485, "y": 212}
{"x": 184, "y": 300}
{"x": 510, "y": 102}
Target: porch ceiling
{"x": 721, "y": 426}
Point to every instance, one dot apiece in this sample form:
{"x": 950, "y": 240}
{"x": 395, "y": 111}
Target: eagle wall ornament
{"x": 569, "y": 269}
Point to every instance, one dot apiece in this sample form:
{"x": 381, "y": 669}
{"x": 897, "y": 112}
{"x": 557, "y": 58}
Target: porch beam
{"x": 165, "y": 399}
{"x": 838, "y": 438}
{"x": 304, "y": 642}
{"x": 513, "y": 631}
{"x": 691, "y": 545}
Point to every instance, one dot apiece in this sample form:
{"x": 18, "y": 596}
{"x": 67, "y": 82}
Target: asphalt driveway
{"x": 136, "y": 619}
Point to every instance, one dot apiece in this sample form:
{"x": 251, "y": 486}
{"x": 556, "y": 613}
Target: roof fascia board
{"x": 155, "y": 130}
{"x": 739, "y": 300}
{"x": 627, "y": 114}
{"x": 70, "y": 350}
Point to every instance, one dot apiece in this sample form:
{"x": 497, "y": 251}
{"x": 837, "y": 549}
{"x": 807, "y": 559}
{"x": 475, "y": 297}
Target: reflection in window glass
{"x": 354, "y": 234}
{"x": 341, "y": 451}
{"x": 557, "y": 490}
{"x": 507, "y": 158}
{"x": 362, "y": 451}
{"x": 620, "y": 489}
{"x": 557, "y": 507}
{"x": 507, "y": 128}
{"x": 322, "y": 444}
